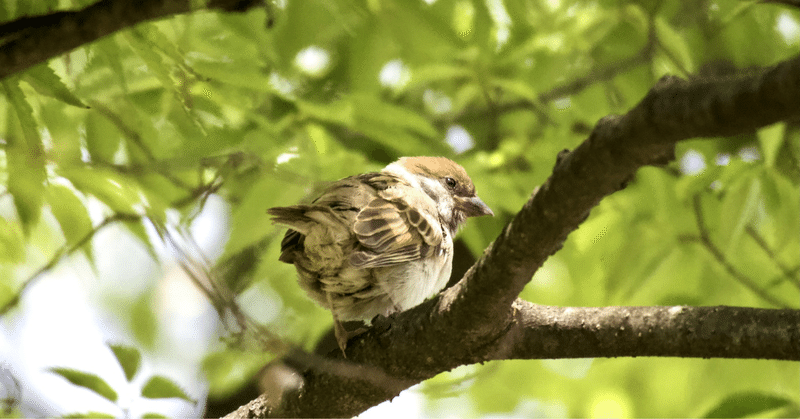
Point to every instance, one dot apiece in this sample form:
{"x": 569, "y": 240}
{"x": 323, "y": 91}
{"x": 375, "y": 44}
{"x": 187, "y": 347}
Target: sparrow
{"x": 379, "y": 243}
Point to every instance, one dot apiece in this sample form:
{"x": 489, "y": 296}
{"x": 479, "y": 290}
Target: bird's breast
{"x": 410, "y": 284}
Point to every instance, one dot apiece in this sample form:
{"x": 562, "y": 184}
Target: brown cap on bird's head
{"x": 453, "y": 177}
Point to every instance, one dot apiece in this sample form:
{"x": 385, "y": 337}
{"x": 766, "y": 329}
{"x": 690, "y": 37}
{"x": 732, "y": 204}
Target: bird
{"x": 379, "y": 243}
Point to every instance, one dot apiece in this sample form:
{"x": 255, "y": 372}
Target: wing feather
{"x": 387, "y": 222}
{"x": 369, "y": 259}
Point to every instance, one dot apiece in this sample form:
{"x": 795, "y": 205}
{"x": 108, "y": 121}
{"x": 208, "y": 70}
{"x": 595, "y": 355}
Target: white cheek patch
{"x": 402, "y": 172}
{"x": 432, "y": 187}
{"x": 440, "y": 195}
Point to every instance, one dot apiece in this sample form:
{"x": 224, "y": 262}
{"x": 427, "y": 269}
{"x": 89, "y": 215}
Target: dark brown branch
{"x": 673, "y": 110}
{"x": 547, "y": 332}
{"x": 480, "y": 318}
{"x": 701, "y": 332}
{"x": 31, "y": 40}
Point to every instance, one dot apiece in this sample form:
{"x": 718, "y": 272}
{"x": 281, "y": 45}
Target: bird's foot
{"x": 343, "y": 335}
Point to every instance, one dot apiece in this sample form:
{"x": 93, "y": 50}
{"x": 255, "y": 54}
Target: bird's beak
{"x": 474, "y": 207}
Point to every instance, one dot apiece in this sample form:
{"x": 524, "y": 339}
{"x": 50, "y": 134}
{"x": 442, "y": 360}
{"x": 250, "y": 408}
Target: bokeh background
{"x": 135, "y": 166}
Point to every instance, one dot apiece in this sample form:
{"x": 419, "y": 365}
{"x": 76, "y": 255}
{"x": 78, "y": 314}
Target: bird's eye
{"x": 450, "y": 182}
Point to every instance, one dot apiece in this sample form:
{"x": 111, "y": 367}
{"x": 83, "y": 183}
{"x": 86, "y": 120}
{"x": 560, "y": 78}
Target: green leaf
{"x": 90, "y": 414}
{"x": 129, "y": 358}
{"x": 118, "y": 192}
{"x": 160, "y": 387}
{"x": 88, "y": 381}
{"x": 339, "y": 112}
{"x": 687, "y": 186}
{"x": 392, "y": 116}
{"x": 518, "y": 87}
{"x": 144, "y": 49}
{"x": 771, "y": 139}
{"x": 108, "y": 51}
{"x": 152, "y": 415}
{"x": 431, "y": 38}
{"x": 235, "y": 74}
{"x": 250, "y": 221}
{"x": 229, "y": 370}
{"x": 738, "y": 208}
{"x": 70, "y": 213}
{"x": 64, "y": 132}
{"x": 675, "y": 44}
{"x": 25, "y": 155}
{"x": 624, "y": 39}
{"x": 102, "y": 137}
{"x": 159, "y": 40}
{"x": 138, "y": 230}
{"x": 393, "y": 126}
{"x": 423, "y": 76}
{"x": 45, "y": 81}
{"x": 142, "y": 321}
{"x": 12, "y": 247}
{"x": 8, "y": 296}
{"x": 466, "y": 96}
{"x": 748, "y": 404}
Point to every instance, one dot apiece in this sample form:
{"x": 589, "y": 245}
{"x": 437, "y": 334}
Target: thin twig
{"x": 67, "y": 250}
{"x": 743, "y": 279}
{"x": 134, "y": 137}
{"x": 573, "y": 87}
{"x": 594, "y": 76}
{"x": 196, "y": 268}
{"x": 787, "y": 272}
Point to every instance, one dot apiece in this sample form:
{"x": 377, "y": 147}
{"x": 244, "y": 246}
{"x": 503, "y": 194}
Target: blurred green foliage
{"x": 153, "y": 119}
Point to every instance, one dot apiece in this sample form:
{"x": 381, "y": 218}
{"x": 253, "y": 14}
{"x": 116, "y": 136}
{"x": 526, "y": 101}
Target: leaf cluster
{"x": 148, "y": 123}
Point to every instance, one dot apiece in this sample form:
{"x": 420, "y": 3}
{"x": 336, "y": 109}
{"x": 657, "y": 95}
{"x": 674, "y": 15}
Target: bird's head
{"x": 447, "y": 183}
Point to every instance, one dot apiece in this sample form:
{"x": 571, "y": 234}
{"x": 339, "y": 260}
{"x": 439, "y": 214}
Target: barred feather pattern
{"x": 379, "y": 243}
{"x": 363, "y": 268}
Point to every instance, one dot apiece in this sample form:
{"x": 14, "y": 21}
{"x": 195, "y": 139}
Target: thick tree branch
{"x": 480, "y": 318}
{"x": 547, "y": 332}
{"x": 28, "y": 41}
{"x": 673, "y": 110}
{"x": 702, "y": 332}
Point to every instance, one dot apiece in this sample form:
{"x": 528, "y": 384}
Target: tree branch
{"x": 547, "y": 332}
{"x": 542, "y": 332}
{"x": 480, "y": 318}
{"x": 28, "y": 41}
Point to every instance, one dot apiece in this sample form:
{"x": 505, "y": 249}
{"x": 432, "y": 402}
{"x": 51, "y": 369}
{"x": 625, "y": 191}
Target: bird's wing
{"x": 324, "y": 227}
{"x": 395, "y": 227}
{"x": 385, "y": 220}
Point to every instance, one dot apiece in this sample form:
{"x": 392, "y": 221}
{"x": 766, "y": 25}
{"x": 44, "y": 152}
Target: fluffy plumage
{"x": 379, "y": 243}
